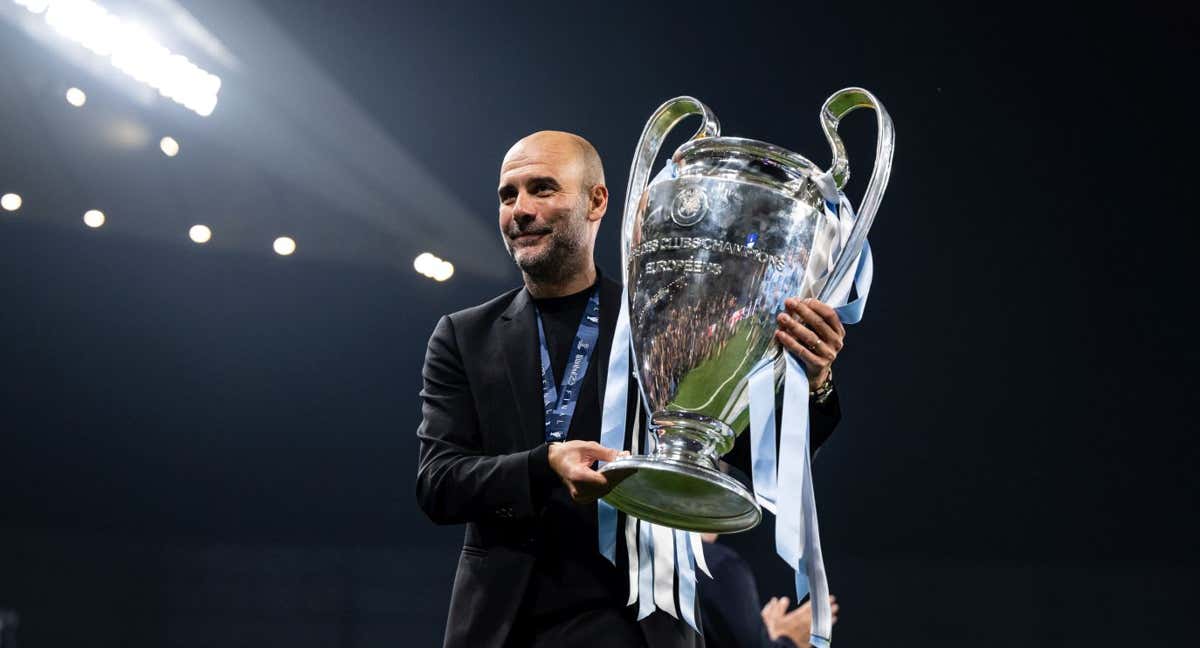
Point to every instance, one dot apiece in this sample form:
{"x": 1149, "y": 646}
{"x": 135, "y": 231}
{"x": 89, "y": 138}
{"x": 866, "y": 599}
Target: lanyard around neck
{"x": 560, "y": 402}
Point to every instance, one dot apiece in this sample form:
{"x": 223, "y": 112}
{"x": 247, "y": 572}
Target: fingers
{"x": 795, "y": 327}
{"x": 810, "y": 359}
{"x": 829, "y": 330}
{"x": 583, "y": 483}
{"x": 827, "y": 314}
{"x": 768, "y": 610}
{"x": 585, "y": 475}
{"x": 590, "y": 452}
{"x": 605, "y": 454}
{"x": 775, "y": 610}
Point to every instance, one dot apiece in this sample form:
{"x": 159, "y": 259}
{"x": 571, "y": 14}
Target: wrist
{"x": 821, "y": 392}
{"x": 554, "y": 454}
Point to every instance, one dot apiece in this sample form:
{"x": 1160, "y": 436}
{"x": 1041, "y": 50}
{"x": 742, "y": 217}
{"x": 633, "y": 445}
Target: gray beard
{"x": 561, "y": 261}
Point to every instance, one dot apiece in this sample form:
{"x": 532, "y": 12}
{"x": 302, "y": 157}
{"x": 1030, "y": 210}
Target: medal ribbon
{"x": 560, "y": 403}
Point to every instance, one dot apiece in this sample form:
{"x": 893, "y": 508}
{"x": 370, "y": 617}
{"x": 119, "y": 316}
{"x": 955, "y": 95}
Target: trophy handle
{"x": 661, "y": 122}
{"x": 837, "y": 106}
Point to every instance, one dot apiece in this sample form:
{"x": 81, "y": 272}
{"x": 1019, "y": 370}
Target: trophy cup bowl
{"x": 711, "y": 249}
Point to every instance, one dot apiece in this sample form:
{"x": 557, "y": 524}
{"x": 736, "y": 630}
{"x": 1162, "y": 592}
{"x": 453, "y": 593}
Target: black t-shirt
{"x": 570, "y": 575}
{"x": 560, "y": 319}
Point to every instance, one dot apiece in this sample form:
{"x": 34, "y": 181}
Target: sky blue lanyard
{"x": 560, "y": 403}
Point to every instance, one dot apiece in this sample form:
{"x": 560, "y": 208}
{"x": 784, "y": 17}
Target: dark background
{"x": 207, "y": 445}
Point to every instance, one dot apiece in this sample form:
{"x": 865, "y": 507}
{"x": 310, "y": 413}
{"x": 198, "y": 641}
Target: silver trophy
{"x": 711, "y": 249}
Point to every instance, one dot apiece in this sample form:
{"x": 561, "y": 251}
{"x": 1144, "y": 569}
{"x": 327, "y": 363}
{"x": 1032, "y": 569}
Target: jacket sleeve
{"x": 456, "y": 481}
{"x": 822, "y": 419}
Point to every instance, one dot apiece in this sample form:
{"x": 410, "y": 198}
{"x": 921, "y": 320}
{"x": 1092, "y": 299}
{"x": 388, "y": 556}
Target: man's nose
{"x": 523, "y": 207}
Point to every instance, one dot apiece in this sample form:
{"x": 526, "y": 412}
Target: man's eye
{"x": 544, "y": 191}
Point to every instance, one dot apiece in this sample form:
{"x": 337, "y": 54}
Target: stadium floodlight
{"x": 284, "y": 246}
{"x": 93, "y": 218}
{"x": 433, "y": 267}
{"x": 131, "y": 50}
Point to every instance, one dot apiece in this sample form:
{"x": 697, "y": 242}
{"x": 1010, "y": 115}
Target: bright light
{"x": 433, "y": 267}
{"x": 424, "y": 263}
{"x": 444, "y": 271}
{"x": 200, "y": 233}
{"x": 284, "y": 246}
{"x": 76, "y": 97}
{"x": 10, "y": 202}
{"x": 35, "y": 6}
{"x": 132, "y": 51}
{"x": 93, "y": 218}
{"x": 169, "y": 146}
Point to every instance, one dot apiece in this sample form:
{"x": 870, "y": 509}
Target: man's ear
{"x": 597, "y": 202}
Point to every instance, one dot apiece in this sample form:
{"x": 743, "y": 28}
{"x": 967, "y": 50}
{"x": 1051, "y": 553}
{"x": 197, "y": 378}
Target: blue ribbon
{"x": 687, "y": 577}
{"x": 783, "y": 480}
{"x": 613, "y": 427}
{"x": 612, "y": 421}
{"x": 762, "y": 434}
{"x": 645, "y": 570}
{"x": 560, "y": 403}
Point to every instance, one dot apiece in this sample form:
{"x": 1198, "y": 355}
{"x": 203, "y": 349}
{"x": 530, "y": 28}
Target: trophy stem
{"x": 690, "y": 438}
{"x": 679, "y": 485}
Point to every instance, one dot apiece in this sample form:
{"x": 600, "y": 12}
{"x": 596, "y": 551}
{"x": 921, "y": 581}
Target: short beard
{"x": 561, "y": 260}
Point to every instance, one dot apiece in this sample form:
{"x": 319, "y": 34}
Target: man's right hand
{"x": 795, "y": 625}
{"x": 572, "y": 461}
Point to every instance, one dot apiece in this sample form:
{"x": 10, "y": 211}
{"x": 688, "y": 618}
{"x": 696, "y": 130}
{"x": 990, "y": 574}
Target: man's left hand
{"x": 814, "y": 334}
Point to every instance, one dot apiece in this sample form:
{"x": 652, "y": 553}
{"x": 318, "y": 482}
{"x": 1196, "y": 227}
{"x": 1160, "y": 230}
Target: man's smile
{"x": 529, "y": 237}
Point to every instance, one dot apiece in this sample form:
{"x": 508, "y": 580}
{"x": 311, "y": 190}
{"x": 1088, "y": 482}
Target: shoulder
{"x": 480, "y": 317}
{"x": 487, "y": 311}
{"x": 470, "y": 323}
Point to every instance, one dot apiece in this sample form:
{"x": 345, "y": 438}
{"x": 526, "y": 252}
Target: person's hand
{"x": 772, "y": 614}
{"x": 795, "y": 625}
{"x": 572, "y": 461}
{"x": 814, "y": 334}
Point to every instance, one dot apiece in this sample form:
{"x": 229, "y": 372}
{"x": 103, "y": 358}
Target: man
{"x": 729, "y": 605}
{"x": 520, "y": 474}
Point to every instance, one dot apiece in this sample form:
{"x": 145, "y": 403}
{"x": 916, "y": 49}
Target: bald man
{"x": 511, "y": 409}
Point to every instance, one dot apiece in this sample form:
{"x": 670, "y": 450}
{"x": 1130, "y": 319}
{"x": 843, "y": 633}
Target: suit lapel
{"x": 518, "y": 337}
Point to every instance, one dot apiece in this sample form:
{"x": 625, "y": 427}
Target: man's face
{"x": 543, "y": 207}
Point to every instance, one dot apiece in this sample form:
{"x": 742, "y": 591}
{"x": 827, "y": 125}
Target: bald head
{"x": 552, "y": 198}
{"x": 569, "y": 149}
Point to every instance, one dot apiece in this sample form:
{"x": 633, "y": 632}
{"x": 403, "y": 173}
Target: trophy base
{"x": 681, "y": 495}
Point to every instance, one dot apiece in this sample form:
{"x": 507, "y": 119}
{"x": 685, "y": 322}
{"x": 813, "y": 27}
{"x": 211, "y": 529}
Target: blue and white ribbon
{"x": 783, "y": 479}
{"x": 661, "y": 559}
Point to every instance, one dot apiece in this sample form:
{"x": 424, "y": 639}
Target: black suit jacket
{"x": 483, "y": 458}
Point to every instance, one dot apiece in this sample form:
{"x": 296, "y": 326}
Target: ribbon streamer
{"x": 661, "y": 559}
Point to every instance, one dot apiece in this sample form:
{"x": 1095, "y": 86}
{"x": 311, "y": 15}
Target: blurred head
{"x": 552, "y": 197}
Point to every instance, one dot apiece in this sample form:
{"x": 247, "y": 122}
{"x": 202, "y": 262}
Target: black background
{"x": 216, "y": 448}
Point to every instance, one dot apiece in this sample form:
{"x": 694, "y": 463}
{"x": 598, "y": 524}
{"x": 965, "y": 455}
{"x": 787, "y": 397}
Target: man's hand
{"x": 813, "y": 333}
{"x": 795, "y": 625}
{"x": 572, "y": 461}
